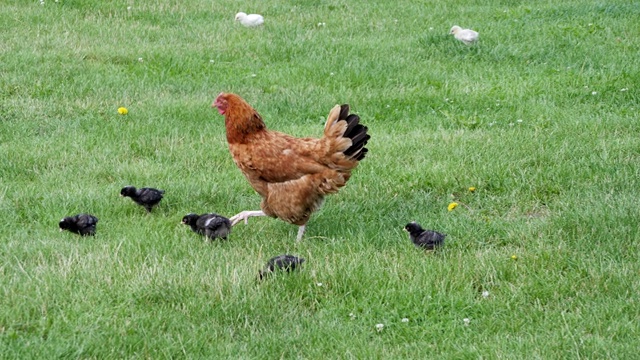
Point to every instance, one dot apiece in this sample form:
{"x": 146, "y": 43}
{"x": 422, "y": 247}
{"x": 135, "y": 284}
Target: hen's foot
{"x": 245, "y": 215}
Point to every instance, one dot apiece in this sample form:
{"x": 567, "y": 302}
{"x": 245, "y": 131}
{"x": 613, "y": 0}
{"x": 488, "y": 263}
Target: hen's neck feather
{"x": 242, "y": 120}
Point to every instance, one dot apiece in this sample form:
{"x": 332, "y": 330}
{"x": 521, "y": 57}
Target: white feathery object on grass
{"x": 250, "y": 20}
{"x": 467, "y": 36}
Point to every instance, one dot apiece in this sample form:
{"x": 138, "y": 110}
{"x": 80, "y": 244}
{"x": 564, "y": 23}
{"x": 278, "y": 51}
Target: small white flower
{"x": 253, "y": 75}
{"x": 41, "y": 2}
{"x": 388, "y": 106}
{"x": 318, "y": 284}
{"x": 510, "y": 124}
{"x": 519, "y": 120}
{"x": 624, "y": 89}
{"x": 405, "y": 320}
{"x": 212, "y": 61}
{"x": 140, "y": 59}
{"x": 492, "y": 123}
{"x": 331, "y": 74}
{"x": 379, "y": 327}
{"x": 128, "y": 7}
{"x": 590, "y": 24}
{"x": 466, "y": 321}
{"x": 594, "y": 93}
{"x": 320, "y": 24}
{"x": 430, "y": 28}
{"x": 352, "y": 316}
{"x": 485, "y": 294}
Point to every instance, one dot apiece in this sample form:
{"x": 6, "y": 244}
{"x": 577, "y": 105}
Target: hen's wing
{"x": 273, "y": 157}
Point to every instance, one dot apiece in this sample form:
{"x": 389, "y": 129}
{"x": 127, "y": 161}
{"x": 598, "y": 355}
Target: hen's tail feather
{"x": 344, "y": 111}
{"x": 353, "y": 122}
{"x": 337, "y": 132}
{"x": 356, "y": 132}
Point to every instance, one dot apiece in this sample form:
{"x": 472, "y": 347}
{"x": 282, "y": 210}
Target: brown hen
{"x": 293, "y": 175}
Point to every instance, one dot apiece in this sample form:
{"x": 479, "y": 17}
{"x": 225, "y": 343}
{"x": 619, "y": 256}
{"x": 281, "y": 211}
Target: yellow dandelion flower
{"x": 514, "y": 257}
{"x": 452, "y": 206}
{"x": 123, "y": 111}
{"x": 472, "y": 189}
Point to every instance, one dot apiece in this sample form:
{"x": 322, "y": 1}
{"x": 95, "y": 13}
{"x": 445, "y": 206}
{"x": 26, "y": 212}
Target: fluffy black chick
{"x": 83, "y": 224}
{"x": 210, "y": 225}
{"x": 287, "y": 263}
{"x": 426, "y": 239}
{"x": 146, "y": 197}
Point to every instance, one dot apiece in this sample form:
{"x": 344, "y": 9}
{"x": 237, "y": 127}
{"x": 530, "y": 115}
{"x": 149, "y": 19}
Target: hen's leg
{"x": 300, "y": 232}
{"x": 245, "y": 215}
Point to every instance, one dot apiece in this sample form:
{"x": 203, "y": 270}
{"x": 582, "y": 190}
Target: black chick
{"x": 287, "y": 263}
{"x": 83, "y": 224}
{"x": 210, "y": 225}
{"x": 426, "y": 239}
{"x": 146, "y": 197}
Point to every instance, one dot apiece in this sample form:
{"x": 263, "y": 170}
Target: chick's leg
{"x": 245, "y": 215}
{"x": 300, "y": 232}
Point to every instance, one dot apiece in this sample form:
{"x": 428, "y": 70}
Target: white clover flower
{"x": 466, "y": 321}
{"x": 594, "y": 93}
{"x": 318, "y": 284}
{"x": 352, "y": 316}
{"x": 405, "y": 320}
{"x": 624, "y": 89}
{"x": 379, "y": 327}
{"x": 485, "y": 294}
{"x": 140, "y": 59}
{"x": 519, "y": 120}
{"x": 320, "y": 24}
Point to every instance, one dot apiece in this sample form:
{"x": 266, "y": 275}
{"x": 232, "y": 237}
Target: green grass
{"x": 541, "y": 117}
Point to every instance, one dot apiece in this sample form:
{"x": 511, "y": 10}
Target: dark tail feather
{"x": 356, "y": 132}
{"x": 344, "y": 111}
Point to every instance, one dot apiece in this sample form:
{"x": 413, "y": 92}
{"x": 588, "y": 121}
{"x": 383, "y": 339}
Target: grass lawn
{"x": 541, "y": 116}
